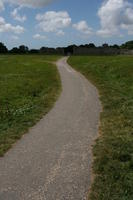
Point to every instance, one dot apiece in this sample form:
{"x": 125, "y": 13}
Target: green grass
{"x": 113, "y": 151}
{"x": 29, "y": 86}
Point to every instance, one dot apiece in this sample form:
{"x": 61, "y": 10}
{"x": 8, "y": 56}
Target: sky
{"x": 53, "y": 23}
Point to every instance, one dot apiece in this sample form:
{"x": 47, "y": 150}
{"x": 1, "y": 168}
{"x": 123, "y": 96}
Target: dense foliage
{"x": 61, "y": 50}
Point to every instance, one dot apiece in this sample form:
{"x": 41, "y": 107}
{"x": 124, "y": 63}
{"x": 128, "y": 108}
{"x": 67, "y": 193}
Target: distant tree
{"x": 105, "y": 45}
{"x": 91, "y": 45}
{"x": 127, "y": 45}
{"x": 23, "y": 49}
{"x": 47, "y": 50}
{"x": 70, "y": 49}
{"x": 82, "y": 45}
{"x": 60, "y": 50}
{"x": 43, "y": 50}
{"x": 34, "y": 51}
{"x": 3, "y": 48}
{"x": 14, "y": 50}
{"x": 115, "y": 46}
{"x": 51, "y": 50}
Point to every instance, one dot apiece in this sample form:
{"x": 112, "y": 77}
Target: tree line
{"x": 22, "y": 49}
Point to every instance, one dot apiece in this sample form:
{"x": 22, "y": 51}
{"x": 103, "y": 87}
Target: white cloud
{"x": 83, "y": 27}
{"x": 30, "y": 3}
{"x": 1, "y": 5}
{"x": 14, "y": 37}
{"x": 17, "y": 16}
{"x": 53, "y": 21}
{"x": 60, "y": 33}
{"x": 6, "y": 27}
{"x": 39, "y": 37}
{"x": 115, "y": 15}
{"x": 26, "y": 3}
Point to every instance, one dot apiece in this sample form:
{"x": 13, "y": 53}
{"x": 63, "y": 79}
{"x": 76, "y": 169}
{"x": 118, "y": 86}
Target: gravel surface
{"x": 53, "y": 161}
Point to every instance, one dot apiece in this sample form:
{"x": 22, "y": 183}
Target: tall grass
{"x": 113, "y": 152}
{"x": 29, "y": 85}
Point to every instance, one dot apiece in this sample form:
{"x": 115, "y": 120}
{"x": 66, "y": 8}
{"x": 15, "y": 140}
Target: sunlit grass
{"x": 29, "y": 85}
{"x": 113, "y": 152}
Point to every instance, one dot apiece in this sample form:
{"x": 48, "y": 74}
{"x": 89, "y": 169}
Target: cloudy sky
{"x": 53, "y": 23}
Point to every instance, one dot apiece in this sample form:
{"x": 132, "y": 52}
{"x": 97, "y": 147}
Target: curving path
{"x": 53, "y": 161}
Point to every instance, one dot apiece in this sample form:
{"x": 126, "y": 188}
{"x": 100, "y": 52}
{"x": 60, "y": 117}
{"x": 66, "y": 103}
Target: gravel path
{"x": 53, "y": 161}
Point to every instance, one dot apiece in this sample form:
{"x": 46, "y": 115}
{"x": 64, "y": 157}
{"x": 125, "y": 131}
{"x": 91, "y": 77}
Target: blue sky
{"x": 53, "y": 23}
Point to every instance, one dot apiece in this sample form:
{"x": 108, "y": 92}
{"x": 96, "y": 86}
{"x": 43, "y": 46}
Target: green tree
{"x": 127, "y": 45}
{"x": 3, "y": 48}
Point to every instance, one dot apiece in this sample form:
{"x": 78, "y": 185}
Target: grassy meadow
{"x": 113, "y": 151}
{"x": 29, "y": 86}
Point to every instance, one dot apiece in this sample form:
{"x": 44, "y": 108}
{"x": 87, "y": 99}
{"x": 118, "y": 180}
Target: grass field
{"x": 113, "y": 151}
{"x": 29, "y": 85}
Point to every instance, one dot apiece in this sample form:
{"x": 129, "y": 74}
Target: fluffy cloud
{"x": 39, "y": 37}
{"x": 14, "y": 37}
{"x": 6, "y": 27}
{"x": 54, "y": 21}
{"x": 1, "y": 5}
{"x": 83, "y": 27}
{"x": 30, "y": 3}
{"x": 60, "y": 33}
{"x": 17, "y": 16}
{"x": 115, "y": 15}
{"x": 26, "y": 3}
